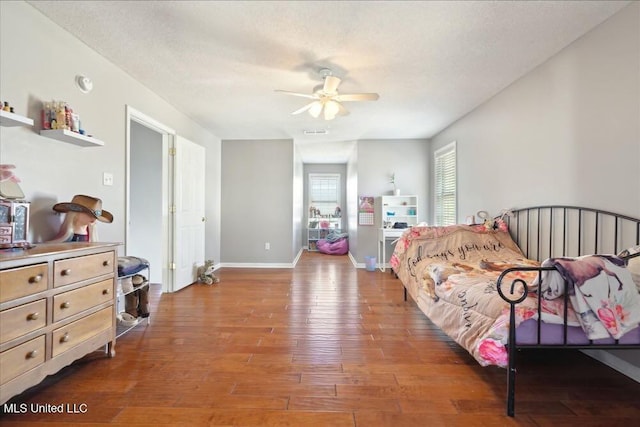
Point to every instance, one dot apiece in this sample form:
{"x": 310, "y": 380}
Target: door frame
{"x": 168, "y": 141}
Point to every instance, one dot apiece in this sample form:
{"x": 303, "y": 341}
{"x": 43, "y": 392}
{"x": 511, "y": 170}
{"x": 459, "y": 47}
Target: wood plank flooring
{"x": 323, "y": 344}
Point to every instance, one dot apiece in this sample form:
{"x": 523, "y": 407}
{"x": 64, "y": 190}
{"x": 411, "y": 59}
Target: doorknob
{"x": 203, "y": 219}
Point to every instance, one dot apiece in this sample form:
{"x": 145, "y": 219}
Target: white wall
{"x": 213, "y": 196}
{"x": 257, "y": 200}
{"x": 298, "y": 203}
{"x": 38, "y": 62}
{"x": 377, "y": 160}
{"x": 566, "y": 133}
{"x": 351, "y": 213}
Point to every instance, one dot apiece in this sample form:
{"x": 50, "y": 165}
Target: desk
{"x": 385, "y": 234}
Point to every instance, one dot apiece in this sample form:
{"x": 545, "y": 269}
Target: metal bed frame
{"x": 553, "y": 231}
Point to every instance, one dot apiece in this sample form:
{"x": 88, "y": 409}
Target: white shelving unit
{"x": 389, "y": 211}
{"x": 319, "y": 228}
{"x": 11, "y": 119}
{"x": 120, "y": 303}
{"x": 70, "y": 137}
{"x": 398, "y": 209}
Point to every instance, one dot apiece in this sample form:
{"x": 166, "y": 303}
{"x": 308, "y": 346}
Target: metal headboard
{"x": 552, "y": 231}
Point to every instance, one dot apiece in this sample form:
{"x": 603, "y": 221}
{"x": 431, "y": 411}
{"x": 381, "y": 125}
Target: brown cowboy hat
{"x": 86, "y": 204}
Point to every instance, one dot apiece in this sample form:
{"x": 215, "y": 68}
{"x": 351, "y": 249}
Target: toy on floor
{"x": 206, "y": 275}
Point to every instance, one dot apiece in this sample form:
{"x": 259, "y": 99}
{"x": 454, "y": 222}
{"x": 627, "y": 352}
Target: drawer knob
{"x": 33, "y": 316}
{"x": 66, "y": 272}
{"x": 65, "y": 337}
{"x": 65, "y": 304}
{"x": 35, "y": 279}
{"x": 32, "y": 354}
{"x": 105, "y": 292}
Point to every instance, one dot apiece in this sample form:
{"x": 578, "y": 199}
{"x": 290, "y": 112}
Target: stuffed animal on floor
{"x": 205, "y": 273}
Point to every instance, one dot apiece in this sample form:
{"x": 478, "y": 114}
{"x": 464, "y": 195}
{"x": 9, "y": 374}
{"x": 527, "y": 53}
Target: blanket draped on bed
{"x": 601, "y": 292}
{"x": 451, "y": 272}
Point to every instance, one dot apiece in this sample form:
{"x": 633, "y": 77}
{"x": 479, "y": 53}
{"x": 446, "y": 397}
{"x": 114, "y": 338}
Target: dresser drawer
{"x": 21, "y": 359}
{"x": 69, "y": 303}
{"x": 75, "y": 333}
{"x": 20, "y": 320}
{"x": 22, "y": 281}
{"x": 73, "y": 270}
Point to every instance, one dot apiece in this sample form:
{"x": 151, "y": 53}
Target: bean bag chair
{"x": 338, "y": 247}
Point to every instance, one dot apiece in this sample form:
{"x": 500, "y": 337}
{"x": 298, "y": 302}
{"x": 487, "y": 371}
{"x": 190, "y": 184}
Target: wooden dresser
{"x": 57, "y": 304}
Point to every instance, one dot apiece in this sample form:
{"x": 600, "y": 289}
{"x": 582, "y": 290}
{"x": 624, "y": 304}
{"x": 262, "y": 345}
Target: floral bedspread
{"x": 452, "y": 273}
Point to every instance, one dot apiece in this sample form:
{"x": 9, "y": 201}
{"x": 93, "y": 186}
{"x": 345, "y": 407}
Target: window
{"x": 324, "y": 192}
{"x": 445, "y": 185}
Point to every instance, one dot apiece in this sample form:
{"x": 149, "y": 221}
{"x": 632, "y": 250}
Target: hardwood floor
{"x": 323, "y": 344}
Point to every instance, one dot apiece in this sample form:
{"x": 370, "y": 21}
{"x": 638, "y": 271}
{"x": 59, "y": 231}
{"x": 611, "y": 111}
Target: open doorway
{"x": 147, "y": 228}
{"x": 165, "y": 221}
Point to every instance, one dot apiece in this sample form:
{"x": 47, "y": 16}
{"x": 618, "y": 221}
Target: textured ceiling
{"x": 432, "y": 62}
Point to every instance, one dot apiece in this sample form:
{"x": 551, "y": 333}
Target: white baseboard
{"x": 297, "y": 258}
{"x": 257, "y": 265}
{"x": 611, "y": 360}
{"x": 353, "y": 260}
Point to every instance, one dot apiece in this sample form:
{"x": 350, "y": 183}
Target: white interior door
{"x": 189, "y": 220}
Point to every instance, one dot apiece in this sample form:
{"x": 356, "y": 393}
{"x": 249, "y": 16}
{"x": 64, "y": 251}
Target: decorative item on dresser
{"x": 14, "y": 210}
{"x": 57, "y": 304}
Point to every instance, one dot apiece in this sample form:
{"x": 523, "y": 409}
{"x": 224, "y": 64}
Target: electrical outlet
{"x": 267, "y": 246}
{"x": 107, "y": 178}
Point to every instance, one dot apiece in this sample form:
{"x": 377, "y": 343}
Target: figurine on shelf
{"x": 79, "y": 224}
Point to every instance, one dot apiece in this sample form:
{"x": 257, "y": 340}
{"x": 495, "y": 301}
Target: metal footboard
{"x": 515, "y": 292}
{"x": 554, "y": 231}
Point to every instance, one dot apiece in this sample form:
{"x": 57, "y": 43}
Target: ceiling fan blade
{"x": 303, "y": 95}
{"x": 305, "y": 108}
{"x": 342, "y": 111}
{"x": 331, "y": 84}
{"x": 357, "y": 97}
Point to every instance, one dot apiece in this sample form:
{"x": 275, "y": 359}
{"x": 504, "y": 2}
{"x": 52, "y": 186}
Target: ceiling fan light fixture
{"x": 331, "y": 108}
{"x": 327, "y": 100}
{"x": 315, "y": 109}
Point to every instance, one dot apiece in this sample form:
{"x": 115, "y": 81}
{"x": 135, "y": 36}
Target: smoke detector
{"x": 84, "y": 83}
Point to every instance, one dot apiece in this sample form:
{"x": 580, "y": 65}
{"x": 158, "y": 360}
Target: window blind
{"x": 445, "y": 185}
{"x": 324, "y": 192}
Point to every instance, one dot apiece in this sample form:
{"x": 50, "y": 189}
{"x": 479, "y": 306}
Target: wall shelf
{"x": 75, "y": 138}
{"x": 11, "y": 119}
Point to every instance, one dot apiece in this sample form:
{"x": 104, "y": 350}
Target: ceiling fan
{"x": 326, "y": 99}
